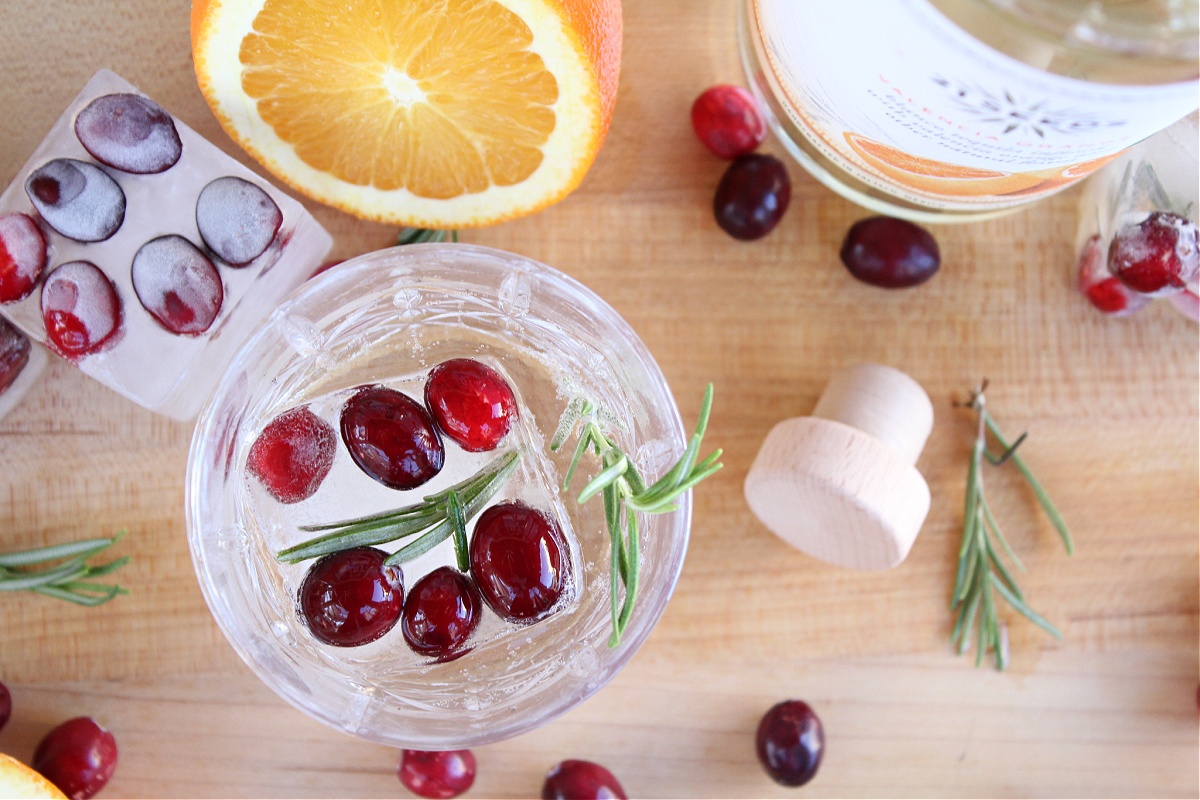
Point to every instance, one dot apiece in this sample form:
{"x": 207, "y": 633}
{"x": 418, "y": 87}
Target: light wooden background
{"x": 1111, "y": 407}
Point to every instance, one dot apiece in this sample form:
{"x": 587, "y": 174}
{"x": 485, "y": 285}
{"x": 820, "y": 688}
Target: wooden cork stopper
{"x": 841, "y": 485}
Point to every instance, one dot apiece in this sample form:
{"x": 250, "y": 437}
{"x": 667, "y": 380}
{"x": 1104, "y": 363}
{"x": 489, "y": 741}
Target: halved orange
{"x": 427, "y": 113}
{"x": 19, "y": 781}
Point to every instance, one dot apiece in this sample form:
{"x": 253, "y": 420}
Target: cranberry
{"x": 1156, "y": 256}
{"x": 78, "y": 757}
{"x": 890, "y": 252}
{"x": 350, "y": 598}
{"x": 22, "y": 256}
{"x": 441, "y": 613}
{"x": 1101, "y": 289}
{"x": 581, "y": 780}
{"x": 519, "y": 558}
{"x": 391, "y": 437}
{"x": 5, "y": 705}
{"x": 790, "y": 742}
{"x": 471, "y": 402}
{"x": 77, "y": 199}
{"x": 80, "y": 308}
{"x": 130, "y": 133}
{"x": 14, "y": 353}
{"x": 177, "y": 284}
{"x": 293, "y": 454}
{"x": 237, "y": 220}
{"x": 752, "y": 196}
{"x": 441, "y": 774}
{"x": 728, "y": 120}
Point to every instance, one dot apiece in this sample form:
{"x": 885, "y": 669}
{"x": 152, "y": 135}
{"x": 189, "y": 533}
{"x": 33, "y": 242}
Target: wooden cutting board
{"x": 1110, "y": 406}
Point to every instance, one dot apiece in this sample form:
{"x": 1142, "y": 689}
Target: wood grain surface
{"x": 1110, "y": 406}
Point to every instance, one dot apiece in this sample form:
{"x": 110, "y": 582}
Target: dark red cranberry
{"x": 752, "y": 196}
{"x": 890, "y": 252}
{"x": 441, "y": 774}
{"x": 177, "y": 284}
{"x": 22, "y": 256}
{"x": 130, "y": 133}
{"x": 441, "y": 612}
{"x": 520, "y": 560}
{"x": 1101, "y": 289}
{"x": 471, "y": 403}
{"x": 14, "y": 353}
{"x": 77, "y": 199}
{"x": 1156, "y": 256}
{"x": 728, "y": 120}
{"x": 5, "y": 705}
{"x": 391, "y": 437}
{"x": 237, "y": 220}
{"x": 350, "y": 598}
{"x": 293, "y": 455}
{"x": 80, "y": 308}
{"x": 581, "y": 780}
{"x": 78, "y": 757}
{"x": 790, "y": 742}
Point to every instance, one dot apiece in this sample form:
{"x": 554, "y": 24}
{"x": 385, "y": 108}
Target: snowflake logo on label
{"x": 1011, "y": 114}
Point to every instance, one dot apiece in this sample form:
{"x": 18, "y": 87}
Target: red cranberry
{"x": 890, "y": 252}
{"x": 130, "y": 133}
{"x": 237, "y": 220}
{"x": 177, "y": 284}
{"x": 80, "y": 308}
{"x": 442, "y": 774}
{"x": 1157, "y": 255}
{"x": 77, "y": 199}
{"x": 350, "y": 598}
{"x": 728, "y": 120}
{"x": 14, "y": 353}
{"x": 752, "y": 196}
{"x": 292, "y": 455}
{"x": 22, "y": 256}
{"x": 1102, "y": 290}
{"x": 519, "y": 558}
{"x": 78, "y": 757}
{"x": 441, "y": 613}
{"x": 5, "y": 705}
{"x": 391, "y": 437}
{"x": 790, "y": 742}
{"x": 581, "y": 780}
{"x": 471, "y": 402}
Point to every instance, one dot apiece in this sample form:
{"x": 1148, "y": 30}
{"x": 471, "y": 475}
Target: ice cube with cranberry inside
{"x": 139, "y": 251}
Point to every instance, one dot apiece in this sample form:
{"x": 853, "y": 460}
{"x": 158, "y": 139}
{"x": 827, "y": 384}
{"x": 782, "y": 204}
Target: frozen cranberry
{"x": 293, "y": 455}
{"x": 391, "y": 437}
{"x": 130, "y": 133}
{"x": 574, "y": 779}
{"x": 437, "y": 774}
{"x": 14, "y": 353}
{"x": 237, "y": 220}
{"x": 752, "y": 196}
{"x": 790, "y": 742}
{"x": 520, "y": 560}
{"x": 471, "y": 403}
{"x": 728, "y": 120}
{"x": 350, "y": 598}
{"x": 1101, "y": 289}
{"x": 1156, "y": 256}
{"x": 441, "y": 612}
{"x": 80, "y": 308}
{"x": 22, "y": 256}
{"x": 890, "y": 252}
{"x": 177, "y": 284}
{"x": 77, "y": 199}
{"x": 78, "y": 757}
{"x": 5, "y": 705}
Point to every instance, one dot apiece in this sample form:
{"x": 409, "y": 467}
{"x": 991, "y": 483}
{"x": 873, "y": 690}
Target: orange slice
{"x": 427, "y": 113}
{"x": 19, "y": 781}
{"x": 937, "y": 177}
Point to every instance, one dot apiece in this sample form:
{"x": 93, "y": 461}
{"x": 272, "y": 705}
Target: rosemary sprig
{"x": 982, "y": 573}
{"x": 70, "y": 579}
{"x": 436, "y": 518}
{"x": 425, "y": 235}
{"x": 625, "y": 494}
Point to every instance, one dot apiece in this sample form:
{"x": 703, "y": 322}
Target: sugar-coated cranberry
{"x": 790, "y": 742}
{"x": 889, "y": 252}
{"x": 77, "y": 199}
{"x": 237, "y": 219}
{"x": 5, "y": 705}
{"x": 22, "y": 256}
{"x": 80, "y": 308}
{"x": 441, "y": 612}
{"x": 520, "y": 560}
{"x": 293, "y": 454}
{"x": 471, "y": 403}
{"x": 391, "y": 437}
{"x": 728, "y": 120}
{"x": 351, "y": 597}
{"x": 78, "y": 757}
{"x": 575, "y": 779}
{"x": 177, "y": 284}
{"x": 14, "y": 353}
{"x": 752, "y": 196}
{"x": 130, "y": 133}
{"x": 1099, "y": 286}
{"x": 437, "y": 774}
{"x": 1157, "y": 256}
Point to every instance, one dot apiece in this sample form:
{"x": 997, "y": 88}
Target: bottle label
{"x": 905, "y": 101}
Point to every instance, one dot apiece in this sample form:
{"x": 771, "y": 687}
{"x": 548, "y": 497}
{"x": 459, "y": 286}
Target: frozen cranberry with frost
{"x": 237, "y": 220}
{"x": 293, "y": 454}
{"x": 471, "y": 403}
{"x": 130, "y": 133}
{"x": 441, "y": 612}
{"x": 351, "y": 597}
{"x": 1157, "y": 256}
{"x": 14, "y": 353}
{"x": 437, "y": 774}
{"x": 22, "y": 256}
{"x": 80, "y": 308}
{"x": 5, "y": 705}
{"x": 728, "y": 120}
{"x": 575, "y": 779}
{"x": 79, "y": 757}
{"x": 790, "y": 742}
{"x": 1099, "y": 286}
{"x": 177, "y": 284}
{"x": 391, "y": 437}
{"x": 890, "y": 253}
{"x": 752, "y": 196}
{"x": 520, "y": 560}
{"x": 77, "y": 199}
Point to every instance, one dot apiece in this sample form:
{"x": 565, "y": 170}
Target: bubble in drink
{"x": 77, "y": 199}
{"x": 130, "y": 133}
{"x": 177, "y": 284}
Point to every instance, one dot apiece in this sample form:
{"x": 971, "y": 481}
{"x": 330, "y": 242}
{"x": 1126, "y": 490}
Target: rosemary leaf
{"x": 1026, "y": 611}
{"x": 458, "y": 521}
{"x": 1043, "y": 499}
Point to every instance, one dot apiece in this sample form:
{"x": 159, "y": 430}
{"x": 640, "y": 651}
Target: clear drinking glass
{"x": 386, "y": 317}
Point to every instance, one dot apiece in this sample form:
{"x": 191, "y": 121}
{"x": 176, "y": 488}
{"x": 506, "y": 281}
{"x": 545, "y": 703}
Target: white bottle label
{"x": 905, "y": 101}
